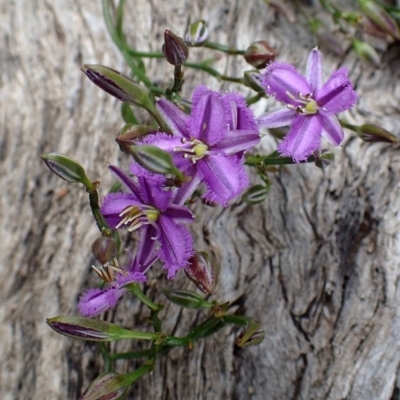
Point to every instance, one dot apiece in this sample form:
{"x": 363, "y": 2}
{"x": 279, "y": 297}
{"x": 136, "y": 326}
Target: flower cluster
{"x": 208, "y": 146}
{"x": 207, "y": 149}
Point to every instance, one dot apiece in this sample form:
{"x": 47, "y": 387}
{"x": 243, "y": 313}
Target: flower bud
{"x": 251, "y": 335}
{"x": 380, "y": 18}
{"x": 366, "y": 52}
{"x": 201, "y": 271}
{"x": 174, "y": 48}
{"x": 253, "y": 80}
{"x": 256, "y": 194}
{"x": 197, "y": 33}
{"x": 118, "y": 85}
{"x": 323, "y": 159}
{"x": 375, "y": 133}
{"x": 186, "y": 299}
{"x": 66, "y": 168}
{"x": 107, "y": 386}
{"x": 104, "y": 249}
{"x": 259, "y": 54}
{"x": 155, "y": 160}
{"x": 95, "y": 330}
{"x": 128, "y": 135}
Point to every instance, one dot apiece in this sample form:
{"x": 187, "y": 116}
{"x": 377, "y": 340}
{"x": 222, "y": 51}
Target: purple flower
{"x": 209, "y": 143}
{"x": 311, "y": 105}
{"x": 149, "y": 209}
{"x": 95, "y": 301}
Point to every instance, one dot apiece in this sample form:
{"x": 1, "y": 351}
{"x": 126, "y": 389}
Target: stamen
{"x": 135, "y": 217}
{"x": 106, "y": 271}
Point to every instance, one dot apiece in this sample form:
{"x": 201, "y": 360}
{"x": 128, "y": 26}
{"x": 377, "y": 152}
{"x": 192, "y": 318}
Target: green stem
{"x": 135, "y": 375}
{"x": 135, "y": 289}
{"x": 223, "y": 48}
{"x": 107, "y": 357}
{"x": 236, "y": 319}
{"x": 214, "y": 72}
{"x": 145, "y": 54}
{"x": 156, "y": 321}
{"x": 178, "y": 78}
{"x": 349, "y": 126}
{"x": 254, "y": 99}
{"x": 120, "y": 42}
{"x": 129, "y": 355}
{"x": 98, "y": 216}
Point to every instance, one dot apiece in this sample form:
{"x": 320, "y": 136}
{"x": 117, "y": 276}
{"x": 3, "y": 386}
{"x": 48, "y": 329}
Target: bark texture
{"x": 318, "y": 263}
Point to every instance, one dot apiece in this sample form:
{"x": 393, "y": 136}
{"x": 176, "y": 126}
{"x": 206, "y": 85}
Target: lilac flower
{"x": 95, "y": 301}
{"x": 208, "y": 144}
{"x": 148, "y": 209}
{"x": 311, "y": 105}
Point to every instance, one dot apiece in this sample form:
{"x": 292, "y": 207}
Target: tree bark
{"x": 317, "y": 264}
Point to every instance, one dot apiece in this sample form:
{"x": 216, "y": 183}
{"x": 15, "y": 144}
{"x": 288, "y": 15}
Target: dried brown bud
{"x": 259, "y": 54}
{"x": 201, "y": 271}
{"x": 104, "y": 249}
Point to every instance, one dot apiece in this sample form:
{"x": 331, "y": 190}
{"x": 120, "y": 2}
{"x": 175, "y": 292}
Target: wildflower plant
{"x": 203, "y": 147}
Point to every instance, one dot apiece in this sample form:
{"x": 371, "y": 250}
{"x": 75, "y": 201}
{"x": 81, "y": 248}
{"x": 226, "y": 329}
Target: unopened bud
{"x": 104, "y": 249}
{"x": 187, "y": 299}
{"x": 323, "y": 159}
{"x": 366, "y": 52}
{"x": 251, "y": 336}
{"x": 259, "y": 54}
{"x": 66, "y": 168}
{"x": 253, "y": 80}
{"x": 378, "y": 16}
{"x": 375, "y": 133}
{"x": 93, "y": 329}
{"x": 130, "y": 133}
{"x": 107, "y": 386}
{"x": 197, "y": 33}
{"x": 155, "y": 160}
{"x": 174, "y": 48}
{"x": 118, "y": 85}
{"x": 202, "y": 270}
{"x": 256, "y": 194}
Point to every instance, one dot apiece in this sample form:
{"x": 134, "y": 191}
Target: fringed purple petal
{"x": 275, "y": 119}
{"x": 95, "y": 301}
{"x": 130, "y": 277}
{"x": 241, "y": 117}
{"x": 126, "y": 180}
{"x": 208, "y": 121}
{"x": 180, "y": 214}
{"x": 238, "y": 141}
{"x": 332, "y": 129}
{"x": 176, "y": 245}
{"x": 281, "y": 78}
{"x": 304, "y": 137}
{"x": 152, "y": 193}
{"x": 314, "y": 70}
{"x": 337, "y": 94}
{"x": 146, "y": 254}
{"x": 183, "y": 193}
{"x": 114, "y": 204}
{"x": 224, "y": 176}
{"x": 174, "y": 117}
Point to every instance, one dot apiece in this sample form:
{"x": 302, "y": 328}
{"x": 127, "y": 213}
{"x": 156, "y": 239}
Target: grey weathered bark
{"x": 318, "y": 263}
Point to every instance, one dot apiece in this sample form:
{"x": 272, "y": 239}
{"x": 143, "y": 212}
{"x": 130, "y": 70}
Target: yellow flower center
{"x": 307, "y": 105}
{"x": 195, "y": 151}
{"x": 311, "y": 107}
